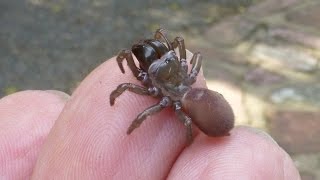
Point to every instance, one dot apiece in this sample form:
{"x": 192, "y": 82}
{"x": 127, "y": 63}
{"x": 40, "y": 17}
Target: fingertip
{"x": 245, "y": 154}
{"x": 62, "y": 95}
{"x": 26, "y": 118}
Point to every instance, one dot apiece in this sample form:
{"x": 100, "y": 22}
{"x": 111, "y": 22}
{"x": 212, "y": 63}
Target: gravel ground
{"x": 55, "y": 44}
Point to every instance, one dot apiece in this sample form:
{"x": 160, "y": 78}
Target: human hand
{"x": 46, "y": 135}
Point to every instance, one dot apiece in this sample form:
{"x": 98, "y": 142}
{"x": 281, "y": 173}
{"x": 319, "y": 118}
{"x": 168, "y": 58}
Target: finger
{"x": 89, "y": 140}
{"x": 245, "y": 154}
{"x": 25, "y": 120}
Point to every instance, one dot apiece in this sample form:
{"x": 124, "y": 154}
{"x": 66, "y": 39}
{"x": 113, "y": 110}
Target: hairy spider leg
{"x": 179, "y": 42}
{"x": 186, "y": 120}
{"x": 126, "y": 54}
{"x": 127, "y": 86}
{"x": 160, "y": 33}
{"x": 165, "y": 102}
{"x": 152, "y": 91}
{"x": 196, "y": 62}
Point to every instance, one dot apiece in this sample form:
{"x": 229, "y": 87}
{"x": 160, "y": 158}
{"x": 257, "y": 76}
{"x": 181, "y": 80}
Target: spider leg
{"x": 196, "y": 62}
{"x": 179, "y": 42}
{"x": 152, "y": 91}
{"x": 186, "y": 120}
{"x": 165, "y": 102}
{"x": 126, "y": 54}
{"x": 160, "y": 33}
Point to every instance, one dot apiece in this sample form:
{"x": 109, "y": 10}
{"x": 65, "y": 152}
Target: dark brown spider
{"x": 164, "y": 75}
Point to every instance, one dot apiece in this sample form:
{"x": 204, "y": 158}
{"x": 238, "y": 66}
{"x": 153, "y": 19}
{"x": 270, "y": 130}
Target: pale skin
{"x": 48, "y": 135}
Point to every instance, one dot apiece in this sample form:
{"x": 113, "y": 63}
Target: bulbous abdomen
{"x": 209, "y": 111}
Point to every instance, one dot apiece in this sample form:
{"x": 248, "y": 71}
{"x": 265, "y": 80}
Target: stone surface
{"x": 268, "y": 7}
{"x": 309, "y": 165}
{"x": 306, "y": 95}
{"x": 306, "y": 39}
{"x": 296, "y": 131}
{"x": 307, "y": 176}
{"x": 263, "y": 77}
{"x": 223, "y": 66}
{"x": 286, "y": 95}
{"x": 309, "y": 16}
{"x": 229, "y": 33}
{"x": 279, "y": 56}
{"x": 216, "y": 54}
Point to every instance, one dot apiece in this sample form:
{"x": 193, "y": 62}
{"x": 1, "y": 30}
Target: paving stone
{"x": 268, "y": 7}
{"x": 286, "y": 94}
{"x": 306, "y": 39}
{"x": 307, "y": 176}
{"x": 298, "y": 94}
{"x": 224, "y": 66}
{"x": 263, "y": 77}
{"x": 309, "y": 16}
{"x": 283, "y": 57}
{"x": 296, "y": 131}
{"x": 230, "y": 32}
{"x": 215, "y": 54}
{"x": 308, "y": 164}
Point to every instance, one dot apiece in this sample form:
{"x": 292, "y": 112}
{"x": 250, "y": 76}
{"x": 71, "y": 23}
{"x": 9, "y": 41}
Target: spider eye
{"x": 169, "y": 60}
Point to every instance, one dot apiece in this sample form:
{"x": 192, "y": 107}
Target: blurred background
{"x": 263, "y": 55}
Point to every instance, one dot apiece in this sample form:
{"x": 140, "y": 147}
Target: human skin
{"x": 48, "y": 135}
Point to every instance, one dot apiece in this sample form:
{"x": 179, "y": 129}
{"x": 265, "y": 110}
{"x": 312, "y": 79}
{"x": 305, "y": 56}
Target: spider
{"x": 164, "y": 75}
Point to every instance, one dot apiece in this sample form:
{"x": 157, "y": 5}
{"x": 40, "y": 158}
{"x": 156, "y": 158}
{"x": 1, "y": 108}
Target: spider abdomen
{"x": 209, "y": 111}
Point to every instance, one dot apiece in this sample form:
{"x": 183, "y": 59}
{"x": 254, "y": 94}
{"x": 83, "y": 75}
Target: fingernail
{"x": 260, "y": 133}
{"x": 64, "y": 96}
